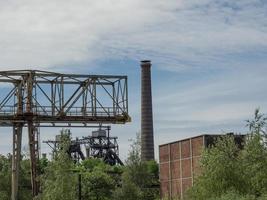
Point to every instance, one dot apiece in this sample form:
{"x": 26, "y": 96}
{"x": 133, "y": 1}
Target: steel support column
{"x": 16, "y": 157}
{"x": 33, "y": 135}
{"x": 17, "y": 139}
{"x": 34, "y": 155}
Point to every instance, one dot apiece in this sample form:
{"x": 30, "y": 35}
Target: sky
{"x": 209, "y": 60}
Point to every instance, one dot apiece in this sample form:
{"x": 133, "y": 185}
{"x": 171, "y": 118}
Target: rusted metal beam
{"x": 17, "y": 139}
{"x": 66, "y": 97}
{"x": 35, "y": 98}
{"x": 16, "y": 157}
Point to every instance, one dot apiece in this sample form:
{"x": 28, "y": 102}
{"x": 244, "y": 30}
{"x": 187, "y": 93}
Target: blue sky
{"x": 209, "y": 57}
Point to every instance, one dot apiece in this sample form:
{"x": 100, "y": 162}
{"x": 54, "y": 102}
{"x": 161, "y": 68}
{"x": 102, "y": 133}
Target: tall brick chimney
{"x": 147, "y": 136}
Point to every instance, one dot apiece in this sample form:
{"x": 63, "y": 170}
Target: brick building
{"x": 179, "y": 163}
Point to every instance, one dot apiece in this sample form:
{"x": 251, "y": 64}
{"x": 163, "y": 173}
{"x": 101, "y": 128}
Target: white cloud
{"x": 42, "y": 33}
{"x": 176, "y": 34}
{"x": 216, "y": 103}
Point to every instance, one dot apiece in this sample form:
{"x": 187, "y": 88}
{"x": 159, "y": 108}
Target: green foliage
{"x": 134, "y": 155}
{"x": 59, "y": 181}
{"x": 228, "y": 173}
{"x": 98, "y": 179}
{"x": 61, "y": 175}
{"x": 5, "y": 177}
{"x": 153, "y": 168}
{"x": 254, "y": 162}
{"x": 25, "y": 180}
{"x": 97, "y": 185}
{"x": 258, "y": 124}
{"x": 233, "y": 195}
{"x": 231, "y": 173}
{"x": 92, "y": 163}
{"x": 43, "y": 163}
{"x": 221, "y": 170}
{"x": 167, "y": 198}
{"x": 138, "y": 177}
{"x": 128, "y": 190}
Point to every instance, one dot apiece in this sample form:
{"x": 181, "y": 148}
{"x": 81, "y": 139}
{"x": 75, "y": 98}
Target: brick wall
{"x": 179, "y": 164}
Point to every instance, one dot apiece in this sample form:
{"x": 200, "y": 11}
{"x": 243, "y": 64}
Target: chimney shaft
{"x": 147, "y": 136}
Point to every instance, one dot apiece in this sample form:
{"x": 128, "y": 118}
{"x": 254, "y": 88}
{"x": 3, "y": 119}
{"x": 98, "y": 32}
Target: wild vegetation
{"x": 231, "y": 173}
{"x": 99, "y": 181}
{"x": 228, "y": 173}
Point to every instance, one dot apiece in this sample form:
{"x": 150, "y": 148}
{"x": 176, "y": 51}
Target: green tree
{"x": 5, "y": 177}
{"x": 98, "y": 178}
{"x": 128, "y": 190}
{"x": 232, "y": 173}
{"x": 97, "y": 185}
{"x": 258, "y": 124}
{"x": 59, "y": 182}
{"x": 138, "y": 177}
{"x": 233, "y": 195}
{"x": 25, "y": 192}
{"x": 254, "y": 156}
{"x": 221, "y": 170}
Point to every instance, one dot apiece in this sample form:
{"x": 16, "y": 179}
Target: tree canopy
{"x": 229, "y": 172}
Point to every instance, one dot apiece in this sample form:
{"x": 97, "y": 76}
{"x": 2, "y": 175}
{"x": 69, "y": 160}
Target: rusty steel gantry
{"x": 37, "y": 99}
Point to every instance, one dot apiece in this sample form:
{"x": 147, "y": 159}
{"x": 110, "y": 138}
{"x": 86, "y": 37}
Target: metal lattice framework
{"x": 103, "y": 146}
{"x": 97, "y": 146}
{"x": 53, "y": 98}
{"x": 38, "y": 98}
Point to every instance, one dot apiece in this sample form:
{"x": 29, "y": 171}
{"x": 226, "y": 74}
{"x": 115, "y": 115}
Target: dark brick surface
{"x": 196, "y": 166}
{"x": 185, "y": 149}
{"x": 186, "y": 168}
{"x": 176, "y": 188}
{"x": 164, "y": 171}
{"x": 164, "y": 189}
{"x": 164, "y": 153}
{"x": 187, "y": 183}
{"x": 175, "y": 151}
{"x": 175, "y": 169}
{"x": 197, "y": 145}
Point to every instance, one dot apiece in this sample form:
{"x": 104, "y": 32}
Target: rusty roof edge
{"x": 201, "y": 135}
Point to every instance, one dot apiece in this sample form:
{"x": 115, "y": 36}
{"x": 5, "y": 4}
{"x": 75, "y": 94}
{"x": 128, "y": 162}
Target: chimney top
{"x": 145, "y": 63}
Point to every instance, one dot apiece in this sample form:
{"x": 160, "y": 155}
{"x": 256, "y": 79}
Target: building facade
{"x": 180, "y": 163}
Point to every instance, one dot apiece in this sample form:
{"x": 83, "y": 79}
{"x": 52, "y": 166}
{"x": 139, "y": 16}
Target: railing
{"x": 8, "y": 110}
{"x": 73, "y": 111}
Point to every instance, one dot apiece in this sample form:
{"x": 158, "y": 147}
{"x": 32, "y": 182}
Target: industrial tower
{"x": 147, "y": 135}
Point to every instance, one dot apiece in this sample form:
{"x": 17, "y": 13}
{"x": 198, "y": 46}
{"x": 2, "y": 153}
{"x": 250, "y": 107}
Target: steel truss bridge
{"x": 34, "y": 99}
